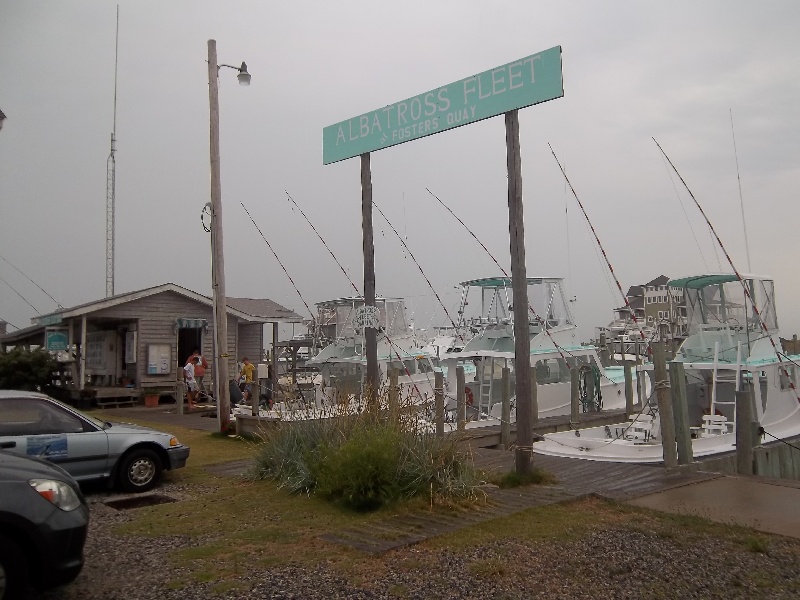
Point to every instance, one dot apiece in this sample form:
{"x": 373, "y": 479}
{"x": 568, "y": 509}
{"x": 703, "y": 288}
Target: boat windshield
{"x": 724, "y": 303}
{"x": 723, "y": 324}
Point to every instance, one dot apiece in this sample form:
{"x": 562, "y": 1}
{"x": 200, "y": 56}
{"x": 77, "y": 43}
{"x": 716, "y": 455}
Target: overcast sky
{"x": 632, "y": 71}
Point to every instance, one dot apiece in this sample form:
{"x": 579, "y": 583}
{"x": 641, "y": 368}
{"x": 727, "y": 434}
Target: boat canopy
{"x": 700, "y": 281}
{"x": 549, "y": 307}
{"x": 335, "y": 318}
{"x": 503, "y": 282}
{"x": 725, "y": 318}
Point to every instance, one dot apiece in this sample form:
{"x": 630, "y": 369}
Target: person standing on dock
{"x": 247, "y": 378}
{"x": 191, "y": 382}
{"x": 199, "y": 370}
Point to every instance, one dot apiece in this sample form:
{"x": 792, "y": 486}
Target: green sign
{"x": 53, "y": 319}
{"x": 56, "y": 339}
{"x": 530, "y": 80}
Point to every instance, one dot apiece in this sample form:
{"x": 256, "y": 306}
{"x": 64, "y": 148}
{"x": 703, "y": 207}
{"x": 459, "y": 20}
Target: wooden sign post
{"x": 370, "y": 335}
{"x": 499, "y": 91}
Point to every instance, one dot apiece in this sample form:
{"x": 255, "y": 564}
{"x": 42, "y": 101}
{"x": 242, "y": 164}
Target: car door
{"x": 36, "y": 426}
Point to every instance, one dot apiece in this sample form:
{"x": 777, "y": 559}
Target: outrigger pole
{"x": 736, "y": 272}
{"x": 602, "y": 250}
{"x": 355, "y": 287}
{"x": 428, "y": 281}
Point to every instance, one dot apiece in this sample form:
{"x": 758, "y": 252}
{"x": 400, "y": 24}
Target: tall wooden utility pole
{"x": 519, "y": 282}
{"x": 370, "y": 334}
{"x": 221, "y": 393}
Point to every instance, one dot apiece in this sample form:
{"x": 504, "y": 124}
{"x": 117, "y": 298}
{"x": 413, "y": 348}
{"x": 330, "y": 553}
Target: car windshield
{"x": 93, "y": 420}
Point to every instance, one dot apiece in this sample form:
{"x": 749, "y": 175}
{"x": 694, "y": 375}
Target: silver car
{"x": 129, "y": 456}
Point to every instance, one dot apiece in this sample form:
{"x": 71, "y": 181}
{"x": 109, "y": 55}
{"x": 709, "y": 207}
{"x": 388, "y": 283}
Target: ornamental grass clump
{"x": 366, "y": 459}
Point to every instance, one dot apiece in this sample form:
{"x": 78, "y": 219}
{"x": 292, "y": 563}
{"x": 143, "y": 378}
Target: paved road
{"x": 770, "y": 505}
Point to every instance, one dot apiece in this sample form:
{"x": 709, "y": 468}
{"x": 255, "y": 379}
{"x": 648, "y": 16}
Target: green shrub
{"x": 23, "y": 369}
{"x": 364, "y": 460}
{"x": 362, "y": 471}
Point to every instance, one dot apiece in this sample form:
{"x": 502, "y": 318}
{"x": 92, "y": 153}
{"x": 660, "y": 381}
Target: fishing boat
{"x": 730, "y": 343}
{"x": 555, "y": 349}
{"x": 338, "y": 387}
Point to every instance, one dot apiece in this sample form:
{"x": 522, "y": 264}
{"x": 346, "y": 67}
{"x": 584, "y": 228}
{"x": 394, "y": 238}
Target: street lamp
{"x": 221, "y": 391}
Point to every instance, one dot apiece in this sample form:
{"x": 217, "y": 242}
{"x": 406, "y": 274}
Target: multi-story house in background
{"x": 659, "y": 310}
{"x": 665, "y": 309}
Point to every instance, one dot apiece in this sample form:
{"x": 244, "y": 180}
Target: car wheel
{"x": 13, "y": 569}
{"x": 140, "y": 471}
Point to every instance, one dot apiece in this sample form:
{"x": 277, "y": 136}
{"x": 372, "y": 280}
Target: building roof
{"x": 264, "y": 309}
{"x": 253, "y": 310}
{"x": 660, "y": 280}
{"x": 635, "y": 290}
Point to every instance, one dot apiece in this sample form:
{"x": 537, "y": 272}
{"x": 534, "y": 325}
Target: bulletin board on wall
{"x": 159, "y": 359}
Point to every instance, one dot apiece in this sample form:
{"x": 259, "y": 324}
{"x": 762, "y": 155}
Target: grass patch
{"x": 491, "y": 568}
{"x": 544, "y": 523}
{"x": 512, "y": 479}
{"x": 756, "y": 544}
{"x": 399, "y": 591}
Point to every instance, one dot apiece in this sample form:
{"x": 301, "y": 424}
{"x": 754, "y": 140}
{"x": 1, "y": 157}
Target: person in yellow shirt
{"x": 247, "y": 375}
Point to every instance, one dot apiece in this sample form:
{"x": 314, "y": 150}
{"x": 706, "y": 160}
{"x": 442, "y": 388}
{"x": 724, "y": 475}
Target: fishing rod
{"x": 507, "y": 276}
{"x": 58, "y": 304}
{"x": 736, "y": 272}
{"x": 9, "y": 323}
{"x": 355, "y": 287}
{"x": 323, "y": 242}
{"x": 602, "y": 250}
{"x": 411, "y": 254}
{"x": 263, "y": 237}
{"x": 21, "y": 296}
{"x": 741, "y": 199}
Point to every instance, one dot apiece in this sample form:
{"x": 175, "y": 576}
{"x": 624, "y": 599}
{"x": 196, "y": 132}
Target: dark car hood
{"x": 21, "y": 468}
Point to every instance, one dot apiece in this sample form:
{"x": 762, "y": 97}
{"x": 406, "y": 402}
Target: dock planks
{"x": 576, "y": 479}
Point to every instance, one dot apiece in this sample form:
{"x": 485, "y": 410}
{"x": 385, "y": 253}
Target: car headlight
{"x": 57, "y": 492}
{"x": 173, "y": 441}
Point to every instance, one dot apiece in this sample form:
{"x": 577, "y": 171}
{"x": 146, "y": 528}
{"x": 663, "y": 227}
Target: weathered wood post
{"x": 394, "y": 394}
{"x": 590, "y": 392}
{"x": 534, "y": 402}
{"x": 505, "y": 411}
{"x": 180, "y": 392}
{"x": 744, "y": 432}
{"x": 461, "y": 403}
{"x": 683, "y": 435}
{"x": 604, "y": 350}
{"x": 664, "y": 405}
{"x": 641, "y": 380}
{"x": 438, "y": 393}
{"x": 274, "y": 359}
{"x": 575, "y": 394}
{"x": 628, "y": 388}
{"x": 255, "y": 396}
{"x": 519, "y": 282}
{"x": 370, "y": 334}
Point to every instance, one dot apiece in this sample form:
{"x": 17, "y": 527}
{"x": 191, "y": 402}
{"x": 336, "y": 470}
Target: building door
{"x": 189, "y": 340}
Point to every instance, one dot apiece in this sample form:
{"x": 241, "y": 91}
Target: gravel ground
{"x": 620, "y": 562}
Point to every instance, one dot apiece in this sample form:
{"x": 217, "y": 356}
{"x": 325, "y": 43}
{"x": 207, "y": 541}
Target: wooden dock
{"x": 489, "y": 437}
{"x": 575, "y": 479}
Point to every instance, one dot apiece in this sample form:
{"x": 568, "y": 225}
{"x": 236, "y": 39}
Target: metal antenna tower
{"x": 111, "y": 177}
